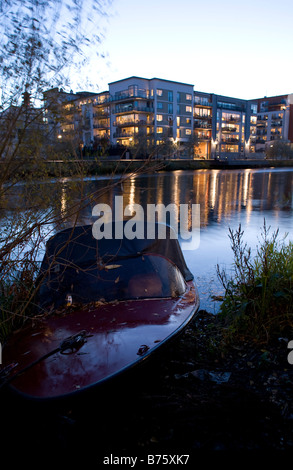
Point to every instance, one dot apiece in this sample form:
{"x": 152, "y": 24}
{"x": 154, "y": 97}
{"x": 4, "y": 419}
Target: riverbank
{"x": 192, "y": 399}
{"x": 106, "y": 167}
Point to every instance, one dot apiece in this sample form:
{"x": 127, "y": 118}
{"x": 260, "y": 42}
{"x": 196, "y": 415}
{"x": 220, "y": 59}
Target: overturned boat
{"x": 104, "y": 307}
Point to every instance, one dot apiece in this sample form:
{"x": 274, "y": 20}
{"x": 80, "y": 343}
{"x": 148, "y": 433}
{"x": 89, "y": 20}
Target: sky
{"x": 239, "y": 49}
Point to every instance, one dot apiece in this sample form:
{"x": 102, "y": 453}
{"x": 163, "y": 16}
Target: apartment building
{"x": 150, "y": 109}
{"x": 66, "y": 114}
{"x": 95, "y": 111}
{"x": 155, "y": 111}
{"x": 223, "y": 125}
{"x": 274, "y": 120}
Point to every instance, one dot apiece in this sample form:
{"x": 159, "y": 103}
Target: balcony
{"x": 101, "y": 101}
{"x": 202, "y": 116}
{"x": 127, "y": 96}
{"x": 202, "y": 101}
{"x": 231, "y": 106}
{"x": 228, "y": 129}
{"x": 231, "y": 119}
{"x": 230, "y": 140}
{"x": 277, "y": 123}
{"x": 135, "y": 122}
{"x": 101, "y": 126}
{"x": 202, "y": 125}
{"x": 121, "y": 135}
{"x": 101, "y": 114}
{"x": 261, "y": 132}
{"x": 133, "y": 107}
{"x": 203, "y": 137}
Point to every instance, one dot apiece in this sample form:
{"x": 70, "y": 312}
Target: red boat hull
{"x": 120, "y": 335}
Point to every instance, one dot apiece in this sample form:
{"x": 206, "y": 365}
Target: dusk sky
{"x": 239, "y": 49}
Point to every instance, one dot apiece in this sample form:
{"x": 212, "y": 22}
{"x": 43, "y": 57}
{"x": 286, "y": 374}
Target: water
{"x": 226, "y": 197}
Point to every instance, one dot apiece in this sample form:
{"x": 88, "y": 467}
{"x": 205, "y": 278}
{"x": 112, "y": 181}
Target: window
{"x": 188, "y": 121}
{"x": 159, "y": 105}
{"x": 159, "y": 92}
{"x": 188, "y": 109}
{"x": 254, "y": 108}
{"x": 188, "y": 131}
{"x": 178, "y": 121}
{"x": 229, "y": 148}
{"x": 170, "y": 95}
{"x": 159, "y": 130}
{"x": 170, "y": 108}
{"x": 133, "y": 90}
{"x": 159, "y": 117}
{"x": 188, "y": 97}
{"x": 178, "y": 97}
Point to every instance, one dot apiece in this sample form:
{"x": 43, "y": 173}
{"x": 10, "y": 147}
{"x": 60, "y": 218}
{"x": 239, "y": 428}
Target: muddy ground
{"x": 188, "y": 400}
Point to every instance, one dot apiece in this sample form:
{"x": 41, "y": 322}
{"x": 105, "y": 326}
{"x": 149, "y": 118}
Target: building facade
{"x": 156, "y": 111}
{"x": 274, "y": 120}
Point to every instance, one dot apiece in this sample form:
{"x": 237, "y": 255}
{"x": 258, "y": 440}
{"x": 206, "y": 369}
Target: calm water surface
{"x": 226, "y": 197}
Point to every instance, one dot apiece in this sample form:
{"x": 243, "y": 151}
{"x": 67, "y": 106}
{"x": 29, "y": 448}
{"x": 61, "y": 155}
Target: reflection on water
{"x": 226, "y": 198}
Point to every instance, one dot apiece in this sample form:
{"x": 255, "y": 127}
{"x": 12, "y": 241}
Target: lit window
{"x": 159, "y": 117}
{"x": 188, "y": 109}
{"x": 159, "y": 92}
{"x": 188, "y": 97}
{"x": 178, "y": 121}
{"x": 159, "y": 130}
{"x": 188, "y": 131}
{"x": 188, "y": 121}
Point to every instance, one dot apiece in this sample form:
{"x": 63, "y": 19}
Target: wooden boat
{"x": 105, "y": 306}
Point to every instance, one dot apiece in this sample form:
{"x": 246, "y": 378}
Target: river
{"x": 227, "y": 198}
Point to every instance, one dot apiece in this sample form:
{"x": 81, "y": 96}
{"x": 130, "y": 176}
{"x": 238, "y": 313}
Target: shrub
{"x": 258, "y": 301}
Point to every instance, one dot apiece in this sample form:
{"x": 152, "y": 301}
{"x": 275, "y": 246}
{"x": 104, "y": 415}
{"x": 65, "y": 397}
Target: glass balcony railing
{"x": 135, "y": 122}
{"x": 133, "y": 107}
{"x": 126, "y": 95}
